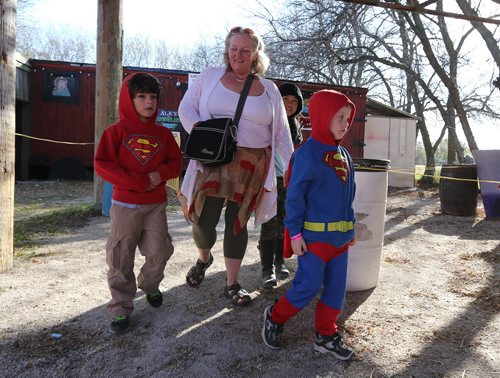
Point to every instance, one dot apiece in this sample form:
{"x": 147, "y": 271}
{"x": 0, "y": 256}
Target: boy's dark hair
{"x": 143, "y": 83}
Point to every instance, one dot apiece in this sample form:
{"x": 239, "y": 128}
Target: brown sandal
{"x": 197, "y": 272}
{"x": 238, "y": 296}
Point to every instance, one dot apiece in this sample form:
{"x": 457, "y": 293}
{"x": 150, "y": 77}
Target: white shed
{"x": 391, "y": 134}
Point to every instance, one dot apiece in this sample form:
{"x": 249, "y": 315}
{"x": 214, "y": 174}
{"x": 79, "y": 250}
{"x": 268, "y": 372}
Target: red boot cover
{"x": 283, "y": 311}
{"x": 326, "y": 319}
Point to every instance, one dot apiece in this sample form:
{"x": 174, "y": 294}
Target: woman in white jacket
{"x": 248, "y": 183}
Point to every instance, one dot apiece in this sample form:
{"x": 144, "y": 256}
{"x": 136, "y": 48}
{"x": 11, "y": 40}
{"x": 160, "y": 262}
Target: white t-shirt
{"x": 254, "y": 128}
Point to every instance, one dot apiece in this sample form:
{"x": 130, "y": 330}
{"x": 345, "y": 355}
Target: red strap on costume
{"x": 287, "y": 244}
{"x": 283, "y": 310}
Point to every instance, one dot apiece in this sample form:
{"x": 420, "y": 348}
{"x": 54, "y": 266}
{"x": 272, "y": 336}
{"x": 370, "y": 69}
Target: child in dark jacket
{"x": 137, "y": 156}
{"x": 320, "y": 221}
{"x": 271, "y": 233}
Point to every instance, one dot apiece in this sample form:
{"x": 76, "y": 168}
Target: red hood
{"x": 128, "y": 115}
{"x": 322, "y": 107}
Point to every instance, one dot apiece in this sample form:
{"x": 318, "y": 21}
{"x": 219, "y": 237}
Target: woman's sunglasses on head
{"x": 239, "y": 29}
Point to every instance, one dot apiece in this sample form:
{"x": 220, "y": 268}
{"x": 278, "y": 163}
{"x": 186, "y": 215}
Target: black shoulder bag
{"x": 213, "y": 142}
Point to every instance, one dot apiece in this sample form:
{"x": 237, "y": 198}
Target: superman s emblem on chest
{"x": 143, "y": 147}
{"x": 338, "y": 163}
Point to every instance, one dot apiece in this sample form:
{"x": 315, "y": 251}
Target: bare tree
{"x": 25, "y": 30}
{"x": 163, "y": 55}
{"x": 311, "y": 40}
{"x": 377, "y": 44}
{"x": 142, "y": 51}
{"x": 328, "y": 40}
{"x": 69, "y": 47}
{"x": 202, "y": 56}
{"x": 487, "y": 36}
{"x": 421, "y": 31}
{"x": 137, "y": 51}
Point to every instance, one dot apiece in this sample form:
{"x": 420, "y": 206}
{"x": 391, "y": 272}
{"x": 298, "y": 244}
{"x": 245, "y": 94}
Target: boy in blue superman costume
{"x": 320, "y": 225}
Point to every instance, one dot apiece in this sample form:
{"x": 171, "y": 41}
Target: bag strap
{"x": 243, "y": 97}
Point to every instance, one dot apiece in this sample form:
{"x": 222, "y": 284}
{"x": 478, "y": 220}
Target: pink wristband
{"x": 295, "y": 237}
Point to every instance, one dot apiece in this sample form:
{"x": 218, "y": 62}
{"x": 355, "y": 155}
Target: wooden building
{"x": 63, "y": 124}
{"x": 56, "y": 140}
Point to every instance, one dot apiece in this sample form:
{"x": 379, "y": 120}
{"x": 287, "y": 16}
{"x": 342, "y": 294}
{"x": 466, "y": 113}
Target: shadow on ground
{"x": 198, "y": 332}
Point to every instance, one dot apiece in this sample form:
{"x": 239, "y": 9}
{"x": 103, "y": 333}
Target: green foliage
{"x": 420, "y": 158}
{"x": 426, "y": 181}
{"x": 60, "y": 221}
{"x": 441, "y": 155}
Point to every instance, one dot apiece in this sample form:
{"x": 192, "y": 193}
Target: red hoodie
{"x": 129, "y": 150}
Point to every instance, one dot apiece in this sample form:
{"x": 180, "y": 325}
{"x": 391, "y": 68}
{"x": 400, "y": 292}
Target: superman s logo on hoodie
{"x": 143, "y": 147}
{"x": 338, "y": 163}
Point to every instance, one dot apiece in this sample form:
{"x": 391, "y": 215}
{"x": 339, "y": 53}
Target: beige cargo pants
{"x": 145, "y": 227}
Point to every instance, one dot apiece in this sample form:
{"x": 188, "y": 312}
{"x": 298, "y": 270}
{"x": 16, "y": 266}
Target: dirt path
{"x": 435, "y": 311}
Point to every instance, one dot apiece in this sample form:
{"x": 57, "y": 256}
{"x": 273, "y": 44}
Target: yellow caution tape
{"x": 53, "y": 141}
{"x": 391, "y": 170}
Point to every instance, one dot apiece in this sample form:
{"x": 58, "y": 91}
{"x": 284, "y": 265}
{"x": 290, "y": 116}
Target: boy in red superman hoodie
{"x": 320, "y": 220}
{"x": 137, "y": 156}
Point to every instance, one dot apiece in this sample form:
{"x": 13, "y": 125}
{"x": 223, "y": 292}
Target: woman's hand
{"x": 299, "y": 246}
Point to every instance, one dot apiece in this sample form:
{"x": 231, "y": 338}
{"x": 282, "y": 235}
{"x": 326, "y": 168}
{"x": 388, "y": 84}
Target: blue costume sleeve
{"x": 296, "y": 195}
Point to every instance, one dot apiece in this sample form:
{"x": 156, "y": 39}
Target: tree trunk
{"x": 109, "y": 72}
{"x": 430, "y": 164}
{"x": 455, "y": 151}
{"x": 7, "y": 131}
{"x": 420, "y": 30}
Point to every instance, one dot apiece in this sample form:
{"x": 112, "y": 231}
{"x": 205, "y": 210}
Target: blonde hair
{"x": 261, "y": 62}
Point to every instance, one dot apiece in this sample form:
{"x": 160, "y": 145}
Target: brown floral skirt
{"x": 241, "y": 181}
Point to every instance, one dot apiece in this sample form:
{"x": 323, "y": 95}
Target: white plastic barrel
{"x": 369, "y": 205}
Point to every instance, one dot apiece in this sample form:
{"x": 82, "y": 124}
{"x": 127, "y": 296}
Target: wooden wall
{"x": 71, "y": 119}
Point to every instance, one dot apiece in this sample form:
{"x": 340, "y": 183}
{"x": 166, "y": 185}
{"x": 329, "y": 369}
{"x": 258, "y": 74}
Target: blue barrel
{"x": 107, "y": 193}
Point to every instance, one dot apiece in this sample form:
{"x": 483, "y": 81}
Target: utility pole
{"x": 109, "y": 72}
{"x": 7, "y": 130}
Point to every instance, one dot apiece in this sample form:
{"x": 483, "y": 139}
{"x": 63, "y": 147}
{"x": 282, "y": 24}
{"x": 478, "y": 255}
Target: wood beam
{"x": 7, "y": 130}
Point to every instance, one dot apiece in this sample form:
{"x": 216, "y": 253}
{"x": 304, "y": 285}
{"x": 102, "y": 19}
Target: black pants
{"x": 271, "y": 233}
{"x": 205, "y": 233}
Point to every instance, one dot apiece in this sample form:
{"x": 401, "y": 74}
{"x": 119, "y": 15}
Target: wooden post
{"x": 109, "y": 72}
{"x": 7, "y": 130}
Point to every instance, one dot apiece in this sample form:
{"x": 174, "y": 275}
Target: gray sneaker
{"x": 271, "y": 331}
{"x": 333, "y": 345}
{"x": 282, "y": 271}
{"x": 269, "y": 280}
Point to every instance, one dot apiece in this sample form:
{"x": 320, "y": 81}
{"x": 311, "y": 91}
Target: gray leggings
{"x": 205, "y": 234}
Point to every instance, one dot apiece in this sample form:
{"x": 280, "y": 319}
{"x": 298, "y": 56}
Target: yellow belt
{"x": 341, "y": 226}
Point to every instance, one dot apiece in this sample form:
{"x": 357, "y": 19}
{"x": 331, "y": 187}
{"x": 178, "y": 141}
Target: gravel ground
{"x": 434, "y": 312}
